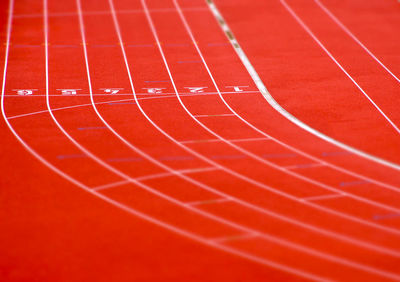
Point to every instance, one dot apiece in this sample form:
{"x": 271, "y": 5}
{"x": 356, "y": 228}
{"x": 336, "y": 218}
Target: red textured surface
{"x": 254, "y": 197}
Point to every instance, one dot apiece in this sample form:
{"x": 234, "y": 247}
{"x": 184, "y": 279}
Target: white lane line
{"x": 246, "y": 152}
{"x": 349, "y": 33}
{"x": 323, "y": 197}
{"x": 314, "y": 37}
{"x": 260, "y": 85}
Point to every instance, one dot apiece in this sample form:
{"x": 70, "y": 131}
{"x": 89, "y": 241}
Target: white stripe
{"x": 342, "y": 26}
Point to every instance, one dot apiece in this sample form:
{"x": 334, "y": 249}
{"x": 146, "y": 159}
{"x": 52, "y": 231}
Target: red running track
{"x": 139, "y": 146}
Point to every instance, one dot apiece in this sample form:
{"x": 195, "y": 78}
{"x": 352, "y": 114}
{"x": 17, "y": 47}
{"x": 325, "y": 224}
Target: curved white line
{"x": 314, "y": 37}
{"x": 260, "y": 85}
{"x": 349, "y": 33}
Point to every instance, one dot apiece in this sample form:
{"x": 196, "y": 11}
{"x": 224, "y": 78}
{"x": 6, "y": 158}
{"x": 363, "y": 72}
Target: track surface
{"x": 137, "y": 146}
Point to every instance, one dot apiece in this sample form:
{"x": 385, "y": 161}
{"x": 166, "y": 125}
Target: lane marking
{"x": 349, "y": 33}
{"x": 260, "y": 85}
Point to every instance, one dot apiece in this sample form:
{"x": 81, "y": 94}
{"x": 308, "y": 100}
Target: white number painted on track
{"x": 25, "y": 92}
{"x": 150, "y": 90}
{"x": 68, "y": 92}
{"x": 154, "y": 90}
{"x": 237, "y": 88}
{"x": 196, "y": 89}
{"x": 111, "y": 90}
